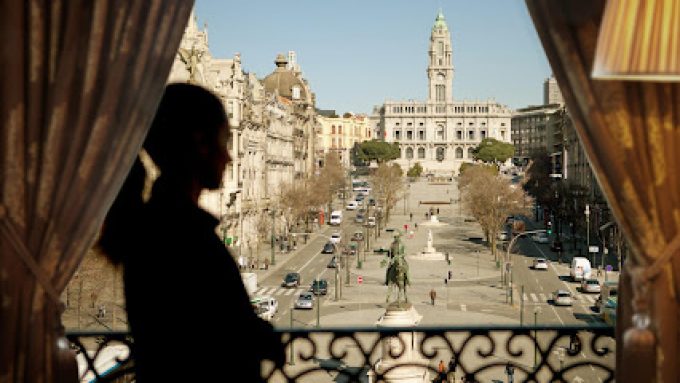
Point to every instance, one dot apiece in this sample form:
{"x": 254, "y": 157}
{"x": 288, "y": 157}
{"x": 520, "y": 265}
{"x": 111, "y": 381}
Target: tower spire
{"x": 440, "y": 68}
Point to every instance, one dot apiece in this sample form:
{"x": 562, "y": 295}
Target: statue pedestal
{"x": 403, "y": 349}
{"x": 433, "y": 221}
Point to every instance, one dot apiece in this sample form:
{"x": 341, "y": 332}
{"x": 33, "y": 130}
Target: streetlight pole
{"x": 537, "y": 310}
{"x": 587, "y": 213}
{"x": 273, "y": 260}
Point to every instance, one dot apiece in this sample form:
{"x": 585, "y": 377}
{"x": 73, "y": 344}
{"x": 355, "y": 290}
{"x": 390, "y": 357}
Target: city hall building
{"x": 441, "y": 132}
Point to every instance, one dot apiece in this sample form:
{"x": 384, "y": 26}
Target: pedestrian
{"x": 433, "y": 296}
{"x": 416, "y": 224}
{"x": 446, "y": 281}
{"x": 410, "y": 216}
{"x": 441, "y": 369}
{"x": 451, "y": 371}
{"x": 266, "y": 263}
{"x": 450, "y": 274}
{"x": 186, "y": 142}
{"x": 437, "y": 211}
{"x": 426, "y": 216}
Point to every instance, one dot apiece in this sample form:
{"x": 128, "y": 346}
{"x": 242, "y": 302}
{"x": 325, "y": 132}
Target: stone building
{"x": 272, "y": 124}
{"x": 529, "y": 131}
{"x": 339, "y": 134}
{"x": 441, "y": 132}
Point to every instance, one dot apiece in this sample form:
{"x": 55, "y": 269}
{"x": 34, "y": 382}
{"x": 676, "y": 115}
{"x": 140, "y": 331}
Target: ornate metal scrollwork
{"x": 530, "y": 354}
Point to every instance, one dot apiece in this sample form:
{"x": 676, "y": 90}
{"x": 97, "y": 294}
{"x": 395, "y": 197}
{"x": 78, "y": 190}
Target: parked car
{"x": 305, "y": 301}
{"x": 291, "y": 280}
{"x": 358, "y": 236}
{"x": 540, "y": 264}
{"x": 359, "y": 218}
{"x": 503, "y": 236}
{"x": 265, "y": 307}
{"x": 540, "y": 238}
{"x": 609, "y": 289}
{"x": 335, "y": 238}
{"x": 370, "y": 222}
{"x": 562, "y": 298}
{"x": 333, "y": 263}
{"x": 328, "y": 248}
{"x": 590, "y": 286}
{"x": 319, "y": 287}
{"x": 352, "y": 205}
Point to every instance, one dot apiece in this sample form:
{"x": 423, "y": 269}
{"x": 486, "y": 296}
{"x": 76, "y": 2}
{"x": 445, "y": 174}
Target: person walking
{"x": 433, "y": 296}
{"x": 441, "y": 370}
{"x": 410, "y": 216}
{"x": 451, "y": 371}
{"x": 450, "y": 274}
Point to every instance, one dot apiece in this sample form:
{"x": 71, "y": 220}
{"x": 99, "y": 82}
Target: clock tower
{"x": 440, "y": 68}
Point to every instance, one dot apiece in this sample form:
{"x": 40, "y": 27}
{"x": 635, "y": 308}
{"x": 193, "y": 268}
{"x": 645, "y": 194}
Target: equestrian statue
{"x": 397, "y": 272}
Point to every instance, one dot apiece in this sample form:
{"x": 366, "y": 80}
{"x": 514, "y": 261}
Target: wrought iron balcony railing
{"x": 480, "y": 354}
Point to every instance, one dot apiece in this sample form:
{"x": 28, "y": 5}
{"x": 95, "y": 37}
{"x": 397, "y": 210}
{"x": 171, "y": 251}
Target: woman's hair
{"x": 184, "y": 112}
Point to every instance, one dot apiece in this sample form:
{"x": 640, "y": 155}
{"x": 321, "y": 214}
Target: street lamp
{"x": 587, "y": 213}
{"x": 537, "y": 310}
{"x": 273, "y": 260}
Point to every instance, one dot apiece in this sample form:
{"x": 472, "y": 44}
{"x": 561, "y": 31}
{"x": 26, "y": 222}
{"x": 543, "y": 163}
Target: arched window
{"x": 440, "y": 154}
{"x": 459, "y": 152}
{"x": 440, "y": 132}
{"x": 332, "y": 129}
{"x": 409, "y": 153}
{"x": 421, "y": 152}
{"x": 471, "y": 153}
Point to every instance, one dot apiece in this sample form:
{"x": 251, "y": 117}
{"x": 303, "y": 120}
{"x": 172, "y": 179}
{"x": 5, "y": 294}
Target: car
{"x": 503, "y": 236}
{"x": 370, "y": 222}
{"x": 319, "y": 287}
{"x": 562, "y": 298}
{"x": 371, "y": 202}
{"x": 556, "y": 246}
{"x": 265, "y": 307}
{"x": 359, "y": 197}
{"x": 358, "y": 236}
{"x": 540, "y": 238}
{"x": 335, "y": 238}
{"x": 352, "y": 205}
{"x": 328, "y": 248}
{"x": 359, "y": 218}
{"x": 305, "y": 301}
{"x": 580, "y": 269}
{"x": 540, "y": 264}
{"x": 333, "y": 263}
{"x": 590, "y": 286}
{"x": 291, "y": 280}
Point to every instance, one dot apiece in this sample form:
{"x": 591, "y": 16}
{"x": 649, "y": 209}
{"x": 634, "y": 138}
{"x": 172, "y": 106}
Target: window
{"x": 459, "y": 134}
{"x": 459, "y": 152}
{"x": 471, "y": 134}
{"x": 421, "y": 135}
{"x": 503, "y": 134}
{"x": 440, "y": 154}
{"x": 482, "y": 134}
{"x": 471, "y": 153}
{"x": 440, "y": 133}
{"x": 340, "y": 129}
{"x": 421, "y": 152}
{"x": 333, "y": 129}
{"x": 296, "y": 92}
{"x": 439, "y": 90}
{"x": 409, "y": 153}
{"x": 397, "y": 134}
{"x": 409, "y": 135}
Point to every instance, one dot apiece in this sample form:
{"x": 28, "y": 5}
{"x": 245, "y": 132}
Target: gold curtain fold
{"x": 80, "y": 81}
{"x": 631, "y": 134}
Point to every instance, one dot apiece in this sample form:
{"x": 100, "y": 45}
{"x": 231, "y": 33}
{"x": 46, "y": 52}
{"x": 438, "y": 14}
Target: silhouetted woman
{"x": 188, "y": 310}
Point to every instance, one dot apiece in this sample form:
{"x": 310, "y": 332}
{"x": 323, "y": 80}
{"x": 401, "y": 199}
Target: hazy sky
{"x": 359, "y": 53}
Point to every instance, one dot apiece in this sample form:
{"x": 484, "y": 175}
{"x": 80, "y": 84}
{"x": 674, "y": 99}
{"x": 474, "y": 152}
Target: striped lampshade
{"x": 639, "y": 40}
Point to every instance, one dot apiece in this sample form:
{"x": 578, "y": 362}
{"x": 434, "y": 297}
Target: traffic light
{"x": 549, "y": 231}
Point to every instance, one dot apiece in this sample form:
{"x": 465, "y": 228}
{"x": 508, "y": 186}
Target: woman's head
{"x": 189, "y": 134}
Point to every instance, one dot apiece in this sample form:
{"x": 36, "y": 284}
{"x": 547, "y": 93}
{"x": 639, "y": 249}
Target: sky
{"x": 356, "y": 54}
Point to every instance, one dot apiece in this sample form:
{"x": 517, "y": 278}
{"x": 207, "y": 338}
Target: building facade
{"x": 440, "y": 133}
{"x": 340, "y": 134}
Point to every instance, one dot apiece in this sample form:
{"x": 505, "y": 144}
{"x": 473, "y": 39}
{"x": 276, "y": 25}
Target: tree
{"x": 538, "y": 183}
{"x": 492, "y": 151}
{"x": 331, "y": 179}
{"x": 415, "y": 171}
{"x": 387, "y": 186}
{"x": 379, "y": 151}
{"x": 490, "y": 198}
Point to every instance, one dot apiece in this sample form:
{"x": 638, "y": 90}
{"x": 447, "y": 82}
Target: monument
{"x": 429, "y": 253}
{"x": 401, "y": 359}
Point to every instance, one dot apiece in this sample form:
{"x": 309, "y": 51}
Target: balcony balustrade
{"x": 480, "y": 354}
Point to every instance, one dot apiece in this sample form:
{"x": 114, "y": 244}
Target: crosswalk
{"x": 279, "y": 291}
{"x": 540, "y": 297}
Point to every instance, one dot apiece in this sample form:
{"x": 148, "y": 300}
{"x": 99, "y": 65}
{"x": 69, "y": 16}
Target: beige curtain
{"x": 79, "y": 82}
{"x": 631, "y": 134}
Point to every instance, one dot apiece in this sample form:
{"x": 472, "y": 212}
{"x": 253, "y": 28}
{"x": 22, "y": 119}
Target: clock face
{"x": 440, "y": 77}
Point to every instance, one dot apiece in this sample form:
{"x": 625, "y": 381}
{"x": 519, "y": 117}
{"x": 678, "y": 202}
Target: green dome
{"x": 440, "y": 22}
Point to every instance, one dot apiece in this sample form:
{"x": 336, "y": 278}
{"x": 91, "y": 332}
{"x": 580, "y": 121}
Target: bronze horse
{"x": 397, "y": 275}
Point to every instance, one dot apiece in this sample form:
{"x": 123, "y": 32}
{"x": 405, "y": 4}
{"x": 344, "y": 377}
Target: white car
{"x": 503, "y": 236}
{"x": 562, "y": 298}
{"x": 540, "y": 264}
{"x": 540, "y": 238}
{"x": 265, "y": 307}
{"x": 370, "y": 222}
{"x": 335, "y": 238}
{"x": 352, "y": 205}
{"x": 590, "y": 286}
{"x": 305, "y": 301}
